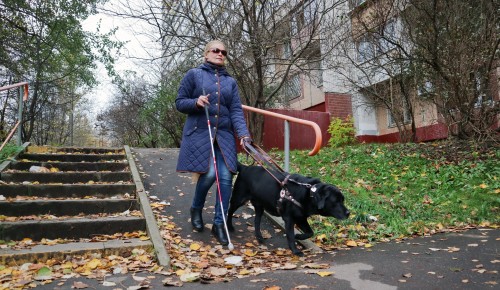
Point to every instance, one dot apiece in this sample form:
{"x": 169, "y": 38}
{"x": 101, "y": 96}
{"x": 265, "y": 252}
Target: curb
{"x": 61, "y": 251}
{"x": 147, "y": 212}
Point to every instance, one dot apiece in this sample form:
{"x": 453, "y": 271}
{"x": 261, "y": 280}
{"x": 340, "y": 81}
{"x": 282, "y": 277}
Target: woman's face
{"x": 216, "y": 54}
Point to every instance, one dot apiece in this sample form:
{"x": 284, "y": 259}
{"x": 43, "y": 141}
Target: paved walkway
{"x": 467, "y": 260}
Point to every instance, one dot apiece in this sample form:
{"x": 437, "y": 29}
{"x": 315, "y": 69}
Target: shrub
{"x": 342, "y": 132}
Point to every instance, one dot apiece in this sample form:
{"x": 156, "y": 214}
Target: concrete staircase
{"x": 87, "y": 199}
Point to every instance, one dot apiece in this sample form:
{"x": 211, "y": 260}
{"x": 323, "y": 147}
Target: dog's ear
{"x": 320, "y": 195}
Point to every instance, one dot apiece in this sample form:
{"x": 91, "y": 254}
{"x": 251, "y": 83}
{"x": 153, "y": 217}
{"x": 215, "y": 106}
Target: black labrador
{"x": 305, "y": 197}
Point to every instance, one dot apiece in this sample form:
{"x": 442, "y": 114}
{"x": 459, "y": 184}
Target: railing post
{"x": 20, "y": 116}
{"x": 287, "y": 146}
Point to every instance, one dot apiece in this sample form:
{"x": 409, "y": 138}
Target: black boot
{"x": 220, "y": 234}
{"x": 196, "y": 219}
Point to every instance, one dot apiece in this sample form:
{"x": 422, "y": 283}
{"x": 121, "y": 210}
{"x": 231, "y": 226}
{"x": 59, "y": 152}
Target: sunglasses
{"x": 216, "y": 51}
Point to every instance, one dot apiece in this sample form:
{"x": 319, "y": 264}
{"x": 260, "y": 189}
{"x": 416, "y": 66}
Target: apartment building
{"x": 361, "y": 73}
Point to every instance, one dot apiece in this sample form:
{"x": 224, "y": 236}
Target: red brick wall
{"x": 428, "y": 133}
{"x": 338, "y": 105}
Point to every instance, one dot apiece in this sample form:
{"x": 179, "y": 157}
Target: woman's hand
{"x": 202, "y": 101}
{"x": 245, "y": 139}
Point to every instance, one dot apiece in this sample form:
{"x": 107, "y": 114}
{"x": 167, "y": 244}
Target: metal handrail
{"x": 317, "y": 131}
{"x": 23, "y": 85}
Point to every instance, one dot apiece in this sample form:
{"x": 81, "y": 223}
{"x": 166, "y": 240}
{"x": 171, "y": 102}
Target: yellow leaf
{"x": 143, "y": 238}
{"x": 6, "y": 271}
{"x": 94, "y": 263}
{"x": 351, "y": 243}
{"x": 324, "y": 274}
{"x": 53, "y": 169}
{"x": 244, "y": 272}
{"x": 195, "y": 247}
{"x": 250, "y": 253}
{"x": 368, "y": 245}
{"x": 321, "y": 237}
{"x": 482, "y": 185}
{"x": 144, "y": 258}
{"x": 180, "y": 272}
{"x": 67, "y": 265}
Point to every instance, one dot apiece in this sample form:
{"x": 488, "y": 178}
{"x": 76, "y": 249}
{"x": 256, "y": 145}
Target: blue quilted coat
{"x": 226, "y": 118}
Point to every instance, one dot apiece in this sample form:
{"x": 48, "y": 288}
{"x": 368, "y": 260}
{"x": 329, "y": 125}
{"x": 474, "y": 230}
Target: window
{"x": 310, "y": 12}
{"x": 481, "y": 90}
{"x": 287, "y": 50}
{"x": 426, "y": 89}
{"x": 292, "y": 88}
{"x": 316, "y": 73}
{"x": 365, "y": 49}
{"x": 406, "y": 117}
{"x": 373, "y": 44}
{"x": 387, "y": 37}
{"x": 294, "y": 26}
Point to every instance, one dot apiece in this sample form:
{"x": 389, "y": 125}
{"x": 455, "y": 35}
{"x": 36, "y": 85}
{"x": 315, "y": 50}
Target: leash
{"x": 269, "y": 165}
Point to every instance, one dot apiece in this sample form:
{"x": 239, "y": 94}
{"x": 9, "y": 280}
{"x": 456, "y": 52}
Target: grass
{"x": 400, "y": 190}
{"x": 8, "y": 151}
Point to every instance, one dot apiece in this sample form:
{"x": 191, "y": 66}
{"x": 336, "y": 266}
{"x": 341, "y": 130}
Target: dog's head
{"x": 329, "y": 200}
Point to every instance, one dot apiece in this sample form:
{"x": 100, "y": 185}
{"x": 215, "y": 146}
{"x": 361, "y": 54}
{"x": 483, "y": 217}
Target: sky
{"x": 100, "y": 95}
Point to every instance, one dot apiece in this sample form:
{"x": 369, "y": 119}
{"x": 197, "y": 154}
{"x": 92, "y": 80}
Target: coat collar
{"x": 211, "y": 67}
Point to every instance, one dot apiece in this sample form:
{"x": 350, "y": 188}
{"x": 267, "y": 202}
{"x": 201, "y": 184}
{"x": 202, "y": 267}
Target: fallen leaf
{"x": 190, "y": 277}
{"x": 244, "y": 272}
{"x": 171, "y": 282}
{"x": 351, "y": 243}
{"x": 195, "y": 246}
{"x": 139, "y": 278}
{"x": 316, "y": 266}
{"x": 79, "y": 285}
{"x": 250, "y": 253}
{"x": 218, "y": 271}
{"x": 324, "y": 274}
{"x": 289, "y": 266}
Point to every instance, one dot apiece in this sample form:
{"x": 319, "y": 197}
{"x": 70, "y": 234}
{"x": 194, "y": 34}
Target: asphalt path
{"x": 455, "y": 260}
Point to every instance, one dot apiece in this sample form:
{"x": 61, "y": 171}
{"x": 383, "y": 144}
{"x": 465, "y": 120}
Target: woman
{"x": 210, "y": 85}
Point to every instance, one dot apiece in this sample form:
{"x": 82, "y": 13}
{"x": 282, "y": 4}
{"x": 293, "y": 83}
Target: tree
{"x": 43, "y": 43}
{"x": 456, "y": 50}
{"x": 270, "y": 42}
{"x": 404, "y": 55}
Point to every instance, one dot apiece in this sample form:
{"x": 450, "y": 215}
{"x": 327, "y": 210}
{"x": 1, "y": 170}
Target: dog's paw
{"x": 260, "y": 239}
{"x": 298, "y": 253}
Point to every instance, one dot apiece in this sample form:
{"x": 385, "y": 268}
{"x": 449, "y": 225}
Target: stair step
{"x": 66, "y": 177}
{"x": 74, "y": 150}
{"x": 73, "y": 157}
{"x": 67, "y": 190}
{"x": 71, "y": 228}
{"x": 60, "y": 252}
{"x": 67, "y": 207}
{"x": 72, "y": 166}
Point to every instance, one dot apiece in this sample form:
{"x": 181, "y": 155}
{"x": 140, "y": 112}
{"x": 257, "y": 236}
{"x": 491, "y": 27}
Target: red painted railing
{"x": 25, "y": 98}
{"x": 314, "y": 126}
